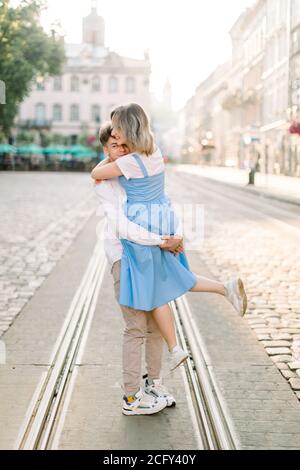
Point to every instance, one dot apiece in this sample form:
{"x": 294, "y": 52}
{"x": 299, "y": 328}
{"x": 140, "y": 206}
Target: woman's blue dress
{"x": 151, "y": 277}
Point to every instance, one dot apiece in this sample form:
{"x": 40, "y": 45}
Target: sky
{"x": 186, "y": 39}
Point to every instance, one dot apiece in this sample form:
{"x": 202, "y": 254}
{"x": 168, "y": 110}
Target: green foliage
{"x": 25, "y": 137}
{"x": 26, "y": 52}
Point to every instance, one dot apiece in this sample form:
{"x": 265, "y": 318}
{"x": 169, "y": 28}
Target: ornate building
{"x": 93, "y": 82}
{"x": 293, "y": 162}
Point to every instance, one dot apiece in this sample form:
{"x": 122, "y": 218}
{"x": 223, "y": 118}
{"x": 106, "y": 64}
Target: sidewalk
{"x": 279, "y": 187}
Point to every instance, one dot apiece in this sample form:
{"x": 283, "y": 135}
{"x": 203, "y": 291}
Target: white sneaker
{"x": 157, "y": 390}
{"x": 177, "y": 357}
{"x": 235, "y": 293}
{"x": 142, "y": 404}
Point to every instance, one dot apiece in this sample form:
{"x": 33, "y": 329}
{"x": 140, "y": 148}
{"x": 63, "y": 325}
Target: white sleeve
{"x": 129, "y": 167}
{"x": 120, "y": 224}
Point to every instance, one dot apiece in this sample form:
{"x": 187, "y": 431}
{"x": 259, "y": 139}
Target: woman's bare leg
{"x": 204, "y": 284}
{"x": 165, "y": 322}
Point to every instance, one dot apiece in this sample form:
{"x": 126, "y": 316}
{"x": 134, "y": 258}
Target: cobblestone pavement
{"x": 41, "y": 214}
{"x": 242, "y": 241}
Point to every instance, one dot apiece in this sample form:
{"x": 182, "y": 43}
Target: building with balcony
{"x": 93, "y": 82}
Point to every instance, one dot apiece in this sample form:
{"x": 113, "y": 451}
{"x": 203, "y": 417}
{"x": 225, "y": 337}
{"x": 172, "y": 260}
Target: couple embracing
{"x": 145, "y": 250}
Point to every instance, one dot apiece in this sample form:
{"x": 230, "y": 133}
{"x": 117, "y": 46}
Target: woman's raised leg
{"x": 204, "y": 284}
{"x": 233, "y": 290}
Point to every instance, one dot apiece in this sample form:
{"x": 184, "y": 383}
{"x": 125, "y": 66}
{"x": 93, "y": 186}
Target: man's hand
{"x": 172, "y": 244}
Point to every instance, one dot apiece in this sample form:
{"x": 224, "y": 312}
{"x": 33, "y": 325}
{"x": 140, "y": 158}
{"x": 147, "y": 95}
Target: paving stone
{"x": 277, "y": 351}
{"x": 276, "y": 344}
{"x": 295, "y": 383}
{"x": 282, "y": 366}
{"x": 294, "y": 365}
{"x": 288, "y": 374}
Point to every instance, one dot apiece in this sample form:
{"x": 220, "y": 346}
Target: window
{"x": 40, "y": 84}
{"x": 74, "y": 112}
{"x": 57, "y": 112}
{"x": 96, "y": 114}
{"x": 57, "y": 84}
{"x": 74, "y": 83}
{"x": 96, "y": 85}
{"x": 130, "y": 85}
{"x": 40, "y": 112}
{"x": 112, "y": 85}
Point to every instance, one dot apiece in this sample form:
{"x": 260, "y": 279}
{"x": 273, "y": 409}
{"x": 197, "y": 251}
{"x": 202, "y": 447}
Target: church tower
{"x": 93, "y": 28}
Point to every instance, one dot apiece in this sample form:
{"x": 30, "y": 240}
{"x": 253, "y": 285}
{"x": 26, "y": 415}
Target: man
{"x": 153, "y": 397}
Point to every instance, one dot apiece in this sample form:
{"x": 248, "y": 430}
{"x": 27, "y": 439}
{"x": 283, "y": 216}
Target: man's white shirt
{"x": 112, "y": 197}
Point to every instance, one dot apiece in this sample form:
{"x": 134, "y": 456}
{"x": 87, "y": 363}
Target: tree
{"x": 26, "y": 51}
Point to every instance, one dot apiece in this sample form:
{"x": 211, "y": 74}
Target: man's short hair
{"x": 105, "y": 133}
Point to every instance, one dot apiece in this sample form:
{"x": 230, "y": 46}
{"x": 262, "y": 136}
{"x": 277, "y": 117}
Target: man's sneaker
{"x": 176, "y": 357}
{"x": 157, "y": 390}
{"x": 235, "y": 293}
{"x": 142, "y": 404}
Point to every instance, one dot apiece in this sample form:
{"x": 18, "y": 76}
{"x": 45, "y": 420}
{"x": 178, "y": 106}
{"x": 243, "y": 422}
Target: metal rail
{"x": 214, "y": 425}
{"x": 37, "y": 428}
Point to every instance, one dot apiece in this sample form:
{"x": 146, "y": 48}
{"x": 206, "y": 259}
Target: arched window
{"x": 57, "y": 112}
{"x": 74, "y": 112}
{"x": 57, "y": 83}
{"x": 40, "y": 112}
{"x": 112, "y": 85}
{"x": 96, "y": 113}
{"x": 130, "y": 85}
{"x": 74, "y": 83}
{"x": 96, "y": 84}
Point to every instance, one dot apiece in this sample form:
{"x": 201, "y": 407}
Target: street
{"x": 48, "y": 237}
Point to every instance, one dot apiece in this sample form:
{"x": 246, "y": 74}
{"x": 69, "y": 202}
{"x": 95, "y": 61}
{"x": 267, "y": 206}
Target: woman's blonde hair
{"x": 133, "y": 122}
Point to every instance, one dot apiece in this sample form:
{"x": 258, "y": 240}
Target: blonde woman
{"x": 150, "y": 277}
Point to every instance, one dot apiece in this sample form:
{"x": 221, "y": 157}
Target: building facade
{"x": 274, "y": 130}
{"x": 93, "y": 82}
{"x": 293, "y": 162}
{"x": 259, "y": 93}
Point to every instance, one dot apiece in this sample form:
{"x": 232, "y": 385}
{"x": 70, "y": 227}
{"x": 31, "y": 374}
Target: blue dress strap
{"x": 141, "y": 164}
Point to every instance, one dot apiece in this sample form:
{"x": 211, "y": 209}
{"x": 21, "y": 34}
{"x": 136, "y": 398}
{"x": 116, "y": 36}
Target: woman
{"x": 150, "y": 277}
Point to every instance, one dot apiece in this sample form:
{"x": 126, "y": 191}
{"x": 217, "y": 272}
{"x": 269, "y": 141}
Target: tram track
{"x": 37, "y": 431}
{"x": 44, "y": 420}
{"x": 214, "y": 424}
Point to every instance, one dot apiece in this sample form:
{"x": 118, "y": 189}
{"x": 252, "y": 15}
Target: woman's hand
{"x": 172, "y": 244}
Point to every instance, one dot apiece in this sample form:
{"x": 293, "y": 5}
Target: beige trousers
{"x": 139, "y": 325}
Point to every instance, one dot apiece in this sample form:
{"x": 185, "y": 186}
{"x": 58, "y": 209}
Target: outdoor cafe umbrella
{"x": 6, "y": 148}
{"x": 79, "y": 151}
{"x": 55, "y": 150}
{"x": 86, "y": 154}
{"x": 30, "y": 149}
